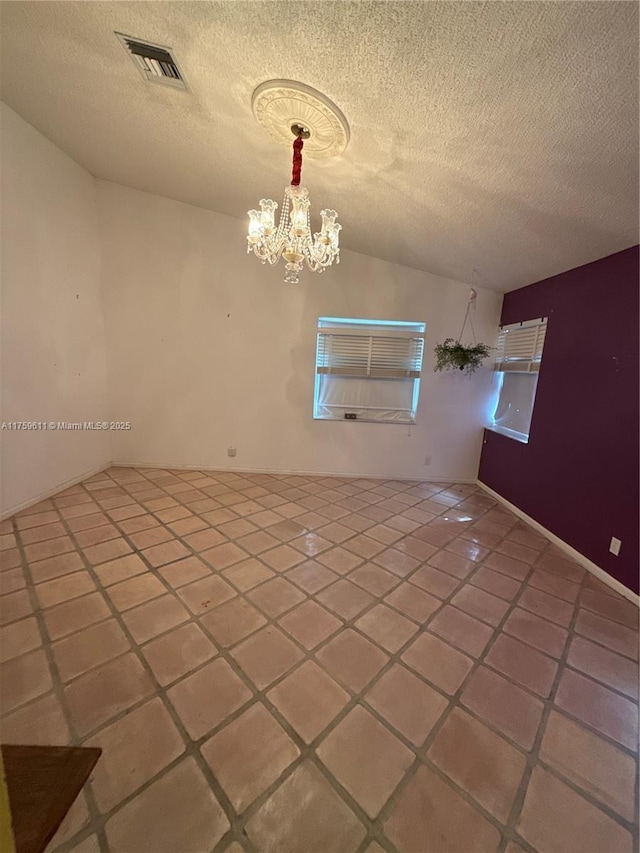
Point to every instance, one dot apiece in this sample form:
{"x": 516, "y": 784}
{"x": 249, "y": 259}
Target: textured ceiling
{"x": 496, "y": 136}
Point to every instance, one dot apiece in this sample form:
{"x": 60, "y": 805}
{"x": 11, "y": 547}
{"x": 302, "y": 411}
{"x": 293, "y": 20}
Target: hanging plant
{"x": 453, "y": 355}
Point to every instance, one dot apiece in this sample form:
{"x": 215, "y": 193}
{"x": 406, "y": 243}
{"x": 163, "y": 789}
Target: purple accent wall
{"x": 579, "y": 474}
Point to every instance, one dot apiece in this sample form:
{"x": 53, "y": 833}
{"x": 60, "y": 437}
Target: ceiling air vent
{"x": 154, "y": 62}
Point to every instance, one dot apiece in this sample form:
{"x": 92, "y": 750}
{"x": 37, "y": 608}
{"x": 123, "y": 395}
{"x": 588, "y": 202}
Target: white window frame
{"x": 519, "y": 350}
{"x": 381, "y": 350}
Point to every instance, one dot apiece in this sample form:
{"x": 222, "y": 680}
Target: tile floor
{"x": 306, "y": 665}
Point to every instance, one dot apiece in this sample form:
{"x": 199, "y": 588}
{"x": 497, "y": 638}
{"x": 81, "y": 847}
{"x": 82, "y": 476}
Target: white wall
{"x": 208, "y": 348}
{"x": 52, "y": 336}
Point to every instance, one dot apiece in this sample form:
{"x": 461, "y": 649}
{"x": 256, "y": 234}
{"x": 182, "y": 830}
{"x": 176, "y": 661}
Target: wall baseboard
{"x": 576, "y": 556}
{"x": 51, "y": 492}
{"x": 292, "y": 472}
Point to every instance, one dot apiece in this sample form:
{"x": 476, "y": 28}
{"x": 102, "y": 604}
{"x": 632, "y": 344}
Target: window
{"x": 368, "y": 370}
{"x": 518, "y": 359}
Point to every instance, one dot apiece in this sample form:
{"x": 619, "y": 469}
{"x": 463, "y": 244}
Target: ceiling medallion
{"x": 277, "y": 104}
{"x": 312, "y": 119}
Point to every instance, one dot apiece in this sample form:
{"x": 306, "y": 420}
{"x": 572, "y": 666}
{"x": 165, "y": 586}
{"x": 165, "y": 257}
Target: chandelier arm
{"x": 297, "y": 161}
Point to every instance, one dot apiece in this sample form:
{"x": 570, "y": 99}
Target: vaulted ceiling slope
{"x": 501, "y": 136}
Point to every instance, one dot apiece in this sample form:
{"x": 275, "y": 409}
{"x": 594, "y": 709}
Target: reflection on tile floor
{"x": 314, "y": 664}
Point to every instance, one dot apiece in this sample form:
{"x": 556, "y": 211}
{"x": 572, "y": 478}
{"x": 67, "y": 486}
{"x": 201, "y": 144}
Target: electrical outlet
{"x": 427, "y": 459}
{"x": 615, "y": 546}
{"x": 231, "y": 451}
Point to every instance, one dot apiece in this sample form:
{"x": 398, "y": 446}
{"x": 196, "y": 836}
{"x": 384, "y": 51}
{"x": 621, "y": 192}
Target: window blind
{"x": 368, "y": 369}
{"x": 520, "y": 346}
{"x": 376, "y": 356}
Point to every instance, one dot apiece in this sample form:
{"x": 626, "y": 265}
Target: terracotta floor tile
{"x": 120, "y": 569}
{"x": 109, "y": 550}
{"x": 556, "y": 564}
{"x": 413, "y": 602}
{"x": 367, "y": 760}
{"x": 617, "y": 609}
{"x": 155, "y": 617}
{"x": 203, "y": 700}
{"x": 438, "y": 662}
{"x": 177, "y": 812}
{"x": 448, "y": 560}
{"x": 335, "y": 532}
{"x": 507, "y": 566}
{"x": 266, "y": 656}
{"x": 518, "y": 551}
{"x": 365, "y": 546}
{"x": 452, "y": 564}
{"x": 495, "y": 583}
{"x": 523, "y": 664}
{"x": 232, "y": 621}
{"x": 305, "y": 814}
{"x": 84, "y": 538}
{"x": 55, "y": 567}
{"x": 610, "y": 634}
{"x": 375, "y": 580}
{"x": 345, "y": 599}
{"x": 206, "y": 593}
{"x": 461, "y": 630}
{"x": 276, "y": 596}
{"x": 514, "y": 712}
{"x": 86, "y": 522}
{"x": 46, "y": 531}
{"x": 591, "y": 763}
{"x": 10, "y": 559}
{"x": 478, "y": 760}
{"x": 248, "y": 574}
{"x": 604, "y": 665}
{"x": 407, "y": 703}
{"x": 14, "y": 606}
{"x": 223, "y": 556}
{"x": 48, "y": 548}
{"x": 64, "y": 589}
{"x": 311, "y": 576}
{"x": 310, "y": 624}
{"x": 555, "y": 818}
{"x": 184, "y": 571}
{"x": 352, "y": 660}
{"x": 386, "y": 627}
{"x": 18, "y": 638}
{"x": 548, "y": 606}
{"x": 536, "y": 632}
{"x": 248, "y": 755}
{"x": 559, "y": 587}
{"x": 151, "y": 536}
{"x": 435, "y": 582}
{"x": 309, "y": 699}
{"x": 205, "y": 539}
{"x": 178, "y": 653}
{"x": 480, "y": 604}
{"x": 594, "y": 704}
{"x": 340, "y": 560}
{"x": 24, "y": 678}
{"x": 89, "y": 648}
{"x": 127, "y": 594}
{"x": 41, "y": 723}
{"x": 98, "y": 696}
{"x": 282, "y": 558}
{"x": 424, "y": 810}
{"x": 167, "y": 552}
{"x": 134, "y": 749}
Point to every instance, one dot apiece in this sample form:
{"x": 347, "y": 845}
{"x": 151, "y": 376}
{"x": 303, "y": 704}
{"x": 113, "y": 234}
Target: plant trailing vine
{"x": 453, "y": 355}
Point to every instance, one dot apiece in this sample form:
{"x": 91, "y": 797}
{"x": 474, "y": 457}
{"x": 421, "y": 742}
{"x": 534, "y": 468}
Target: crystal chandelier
{"x": 292, "y": 238}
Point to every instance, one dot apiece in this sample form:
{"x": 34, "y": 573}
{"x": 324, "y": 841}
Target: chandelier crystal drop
{"x": 292, "y": 238}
